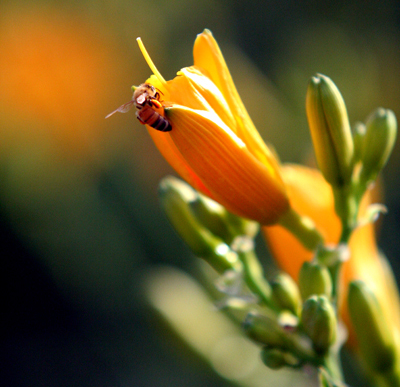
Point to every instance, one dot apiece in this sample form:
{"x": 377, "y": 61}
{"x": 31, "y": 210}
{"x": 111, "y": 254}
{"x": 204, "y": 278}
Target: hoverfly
{"x": 146, "y": 99}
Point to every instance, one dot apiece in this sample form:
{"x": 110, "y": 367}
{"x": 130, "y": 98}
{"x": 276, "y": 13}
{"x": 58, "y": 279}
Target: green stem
{"x": 335, "y": 269}
{"x": 346, "y": 205}
{"x": 303, "y": 228}
{"x": 331, "y": 363}
{"x": 347, "y": 200}
{"x": 335, "y": 273}
{"x": 254, "y": 276}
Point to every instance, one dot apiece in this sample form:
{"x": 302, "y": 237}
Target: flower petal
{"x": 235, "y": 178}
{"x": 193, "y": 89}
{"x": 170, "y": 152}
{"x": 166, "y": 146}
{"x": 207, "y": 55}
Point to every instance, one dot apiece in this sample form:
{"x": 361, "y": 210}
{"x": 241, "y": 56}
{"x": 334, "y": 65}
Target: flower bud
{"x": 220, "y": 222}
{"x": 212, "y": 216}
{"x": 359, "y": 130}
{"x": 314, "y": 279}
{"x": 264, "y": 329}
{"x": 378, "y": 143}
{"x": 330, "y": 130}
{"x": 319, "y": 322}
{"x": 242, "y": 226}
{"x": 374, "y": 336}
{"x": 175, "y": 196}
{"x": 275, "y": 358}
{"x": 285, "y": 293}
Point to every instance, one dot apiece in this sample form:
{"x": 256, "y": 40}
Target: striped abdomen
{"x": 147, "y": 115}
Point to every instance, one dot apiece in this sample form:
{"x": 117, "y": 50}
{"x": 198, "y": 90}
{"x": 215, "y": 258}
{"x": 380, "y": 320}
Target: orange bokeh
{"x": 54, "y": 79}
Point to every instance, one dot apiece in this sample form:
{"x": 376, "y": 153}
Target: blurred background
{"x": 90, "y": 261}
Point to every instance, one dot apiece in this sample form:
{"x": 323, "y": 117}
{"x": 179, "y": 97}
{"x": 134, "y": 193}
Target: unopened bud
{"x": 221, "y": 222}
{"x": 379, "y": 140}
{"x": 211, "y": 215}
{"x": 175, "y": 196}
{"x": 242, "y": 226}
{"x": 319, "y": 322}
{"x": 359, "y": 131}
{"x": 330, "y": 130}
{"x": 264, "y": 329}
{"x": 285, "y": 293}
{"x": 314, "y": 279}
{"x": 374, "y": 336}
{"x": 276, "y": 358}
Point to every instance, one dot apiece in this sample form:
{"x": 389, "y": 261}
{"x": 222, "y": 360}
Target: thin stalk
{"x": 346, "y": 205}
{"x": 254, "y": 276}
{"x": 331, "y": 363}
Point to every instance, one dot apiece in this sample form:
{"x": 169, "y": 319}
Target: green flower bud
{"x": 220, "y": 222}
{"x": 374, "y": 336}
{"x": 175, "y": 196}
{"x": 319, "y": 322}
{"x": 314, "y": 279}
{"x": 359, "y": 131}
{"x": 330, "y": 130}
{"x": 285, "y": 293}
{"x": 264, "y": 329}
{"x": 275, "y": 358}
{"x": 378, "y": 143}
{"x": 212, "y": 216}
{"x": 252, "y": 268}
{"x": 242, "y": 226}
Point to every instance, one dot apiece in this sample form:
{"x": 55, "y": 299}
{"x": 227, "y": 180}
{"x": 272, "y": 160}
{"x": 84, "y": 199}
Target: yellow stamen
{"x": 151, "y": 64}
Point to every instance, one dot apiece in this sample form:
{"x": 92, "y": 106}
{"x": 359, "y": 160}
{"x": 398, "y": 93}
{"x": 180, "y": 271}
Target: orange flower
{"x": 213, "y": 143}
{"x": 311, "y": 195}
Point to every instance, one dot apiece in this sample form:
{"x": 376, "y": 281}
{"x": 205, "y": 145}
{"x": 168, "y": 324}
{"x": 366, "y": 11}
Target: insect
{"x": 146, "y": 99}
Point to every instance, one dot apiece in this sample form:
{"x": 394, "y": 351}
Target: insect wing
{"x": 122, "y": 109}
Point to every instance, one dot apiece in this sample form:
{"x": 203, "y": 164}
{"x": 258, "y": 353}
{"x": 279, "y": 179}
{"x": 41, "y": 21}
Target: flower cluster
{"x": 318, "y": 223}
